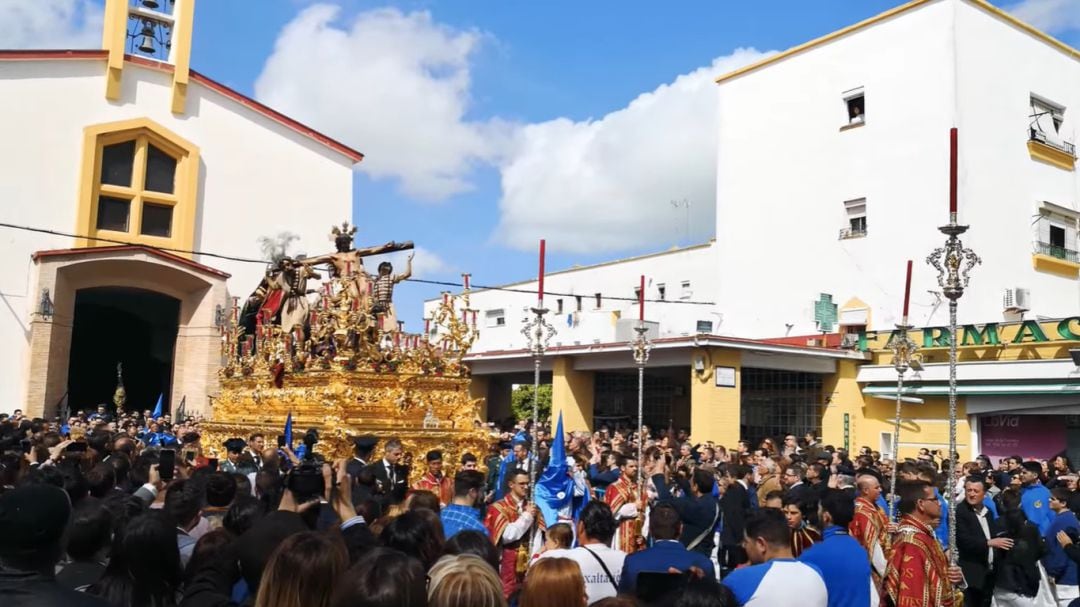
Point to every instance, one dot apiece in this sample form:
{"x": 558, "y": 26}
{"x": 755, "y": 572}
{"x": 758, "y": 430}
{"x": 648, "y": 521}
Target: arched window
{"x": 139, "y": 185}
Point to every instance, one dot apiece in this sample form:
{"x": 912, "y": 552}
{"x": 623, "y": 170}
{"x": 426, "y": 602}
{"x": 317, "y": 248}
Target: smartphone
{"x": 167, "y": 464}
{"x": 189, "y": 457}
{"x": 280, "y": 441}
{"x": 77, "y": 447}
{"x": 212, "y": 464}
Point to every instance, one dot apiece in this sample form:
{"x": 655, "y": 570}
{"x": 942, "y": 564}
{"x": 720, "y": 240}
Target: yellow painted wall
{"x": 572, "y": 394}
{"x": 715, "y": 413}
{"x": 926, "y": 425}
{"x": 841, "y": 395}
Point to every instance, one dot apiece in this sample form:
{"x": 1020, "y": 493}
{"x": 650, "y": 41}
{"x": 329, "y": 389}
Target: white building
{"x": 129, "y": 145}
{"x": 598, "y": 303}
{"x": 833, "y": 171}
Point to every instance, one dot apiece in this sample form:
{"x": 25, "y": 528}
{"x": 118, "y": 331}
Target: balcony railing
{"x": 1058, "y": 144}
{"x": 1046, "y": 248}
{"x": 848, "y": 233}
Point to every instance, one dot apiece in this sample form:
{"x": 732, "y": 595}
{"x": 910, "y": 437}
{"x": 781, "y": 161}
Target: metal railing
{"x": 1065, "y": 146}
{"x": 1046, "y": 248}
{"x": 847, "y": 233}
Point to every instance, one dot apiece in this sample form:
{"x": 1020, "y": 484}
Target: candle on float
{"x": 348, "y": 268}
{"x": 446, "y": 297}
{"x": 641, "y": 300}
{"x": 907, "y": 291}
{"x": 465, "y": 316}
{"x": 355, "y": 304}
{"x": 314, "y": 319}
{"x": 474, "y": 319}
{"x": 427, "y": 326}
{"x": 397, "y": 339}
{"x": 953, "y": 153}
{"x": 370, "y": 288}
{"x": 465, "y": 279}
{"x": 540, "y": 275}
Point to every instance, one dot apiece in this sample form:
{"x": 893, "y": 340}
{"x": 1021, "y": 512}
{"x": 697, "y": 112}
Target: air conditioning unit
{"x": 1016, "y": 300}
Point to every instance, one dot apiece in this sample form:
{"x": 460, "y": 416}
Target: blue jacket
{"x": 1035, "y": 502}
{"x": 844, "y": 567}
{"x": 1058, "y": 565}
{"x": 662, "y": 555}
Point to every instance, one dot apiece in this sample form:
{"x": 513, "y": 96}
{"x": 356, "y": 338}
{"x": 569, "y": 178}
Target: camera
{"x": 306, "y": 481}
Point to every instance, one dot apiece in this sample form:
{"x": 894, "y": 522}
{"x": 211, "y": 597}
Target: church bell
{"x": 151, "y": 4}
{"x": 147, "y": 43}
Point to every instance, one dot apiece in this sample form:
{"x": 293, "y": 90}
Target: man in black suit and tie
{"x": 391, "y": 478}
{"x": 735, "y": 504}
{"x": 976, "y": 538}
{"x": 792, "y": 481}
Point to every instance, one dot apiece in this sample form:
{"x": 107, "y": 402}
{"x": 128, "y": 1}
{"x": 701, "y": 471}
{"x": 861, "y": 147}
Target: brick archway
{"x": 199, "y": 289}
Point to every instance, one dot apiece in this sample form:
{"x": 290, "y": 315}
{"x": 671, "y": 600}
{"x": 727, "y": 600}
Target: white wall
{"x": 785, "y": 169}
{"x": 615, "y": 279}
{"x": 1000, "y": 67}
{"x": 256, "y": 177}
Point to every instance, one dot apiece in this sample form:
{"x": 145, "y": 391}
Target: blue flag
{"x": 157, "y": 409}
{"x": 555, "y": 487}
{"x": 288, "y": 430}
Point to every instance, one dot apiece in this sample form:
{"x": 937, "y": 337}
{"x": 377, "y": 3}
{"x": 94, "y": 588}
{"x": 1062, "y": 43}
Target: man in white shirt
{"x": 775, "y": 578}
{"x": 601, "y": 565}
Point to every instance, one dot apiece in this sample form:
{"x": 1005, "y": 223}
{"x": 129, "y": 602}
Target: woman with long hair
{"x": 554, "y": 582}
{"x": 464, "y": 581}
{"x": 382, "y": 578}
{"x": 302, "y": 571}
{"x": 417, "y": 533}
{"x": 144, "y": 569}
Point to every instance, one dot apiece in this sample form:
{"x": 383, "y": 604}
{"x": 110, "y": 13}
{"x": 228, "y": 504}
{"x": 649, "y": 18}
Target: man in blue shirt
{"x": 1059, "y": 566}
{"x": 461, "y": 513}
{"x": 665, "y": 528}
{"x": 841, "y": 558}
{"x": 1034, "y": 497}
{"x": 775, "y": 578}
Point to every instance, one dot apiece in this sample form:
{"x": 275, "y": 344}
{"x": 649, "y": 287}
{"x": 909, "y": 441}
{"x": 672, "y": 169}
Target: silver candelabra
{"x": 538, "y": 333}
{"x": 903, "y": 353}
{"x": 953, "y": 262}
{"x": 640, "y": 346}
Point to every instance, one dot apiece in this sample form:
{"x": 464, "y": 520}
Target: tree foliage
{"x": 521, "y": 402}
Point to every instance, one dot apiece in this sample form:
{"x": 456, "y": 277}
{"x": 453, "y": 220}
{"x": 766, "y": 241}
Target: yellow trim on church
{"x": 183, "y": 200}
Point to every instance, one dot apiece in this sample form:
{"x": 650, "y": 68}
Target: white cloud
{"x": 391, "y": 84}
{"x": 1049, "y": 15}
{"x": 608, "y": 184}
{"x": 426, "y": 263}
{"x": 50, "y": 24}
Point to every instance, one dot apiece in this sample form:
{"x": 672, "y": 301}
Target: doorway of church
{"x": 121, "y": 325}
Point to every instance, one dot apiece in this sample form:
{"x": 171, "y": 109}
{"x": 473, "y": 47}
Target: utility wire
{"x": 12, "y": 226}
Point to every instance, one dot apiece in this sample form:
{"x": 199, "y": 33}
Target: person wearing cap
{"x": 233, "y": 448}
{"x": 364, "y": 446}
{"x": 434, "y": 480}
{"x": 33, "y": 519}
{"x": 1034, "y": 497}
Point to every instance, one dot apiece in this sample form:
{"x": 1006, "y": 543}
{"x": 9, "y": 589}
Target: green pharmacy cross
{"x": 825, "y": 313}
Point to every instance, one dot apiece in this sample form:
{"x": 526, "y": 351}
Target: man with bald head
{"x": 870, "y": 525}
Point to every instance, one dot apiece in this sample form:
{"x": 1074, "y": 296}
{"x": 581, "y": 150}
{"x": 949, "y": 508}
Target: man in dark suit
{"x": 735, "y": 504}
{"x": 697, "y": 508}
{"x": 976, "y": 537}
{"x": 665, "y": 527}
{"x": 391, "y": 478}
{"x": 792, "y": 481}
{"x": 364, "y": 445}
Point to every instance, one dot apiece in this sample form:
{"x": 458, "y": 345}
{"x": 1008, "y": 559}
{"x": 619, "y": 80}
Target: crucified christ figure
{"x": 348, "y": 261}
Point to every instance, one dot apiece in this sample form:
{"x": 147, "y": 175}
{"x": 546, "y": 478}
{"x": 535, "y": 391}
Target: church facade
{"x": 136, "y": 192}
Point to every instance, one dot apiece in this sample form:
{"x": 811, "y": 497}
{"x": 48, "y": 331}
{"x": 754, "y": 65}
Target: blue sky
{"x": 490, "y": 124}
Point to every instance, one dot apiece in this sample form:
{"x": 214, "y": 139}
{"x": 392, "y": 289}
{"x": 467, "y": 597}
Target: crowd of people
{"x": 127, "y": 510}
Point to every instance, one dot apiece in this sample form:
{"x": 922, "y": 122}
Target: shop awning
{"x": 970, "y": 389}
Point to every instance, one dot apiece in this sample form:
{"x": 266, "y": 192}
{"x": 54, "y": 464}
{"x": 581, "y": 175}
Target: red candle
{"x": 325, "y": 303}
{"x": 446, "y": 297}
{"x": 314, "y": 319}
{"x": 355, "y": 304}
{"x": 397, "y": 339}
{"x": 907, "y": 291}
{"x": 540, "y": 286}
{"x": 427, "y": 326}
{"x": 465, "y": 279}
{"x": 474, "y": 319}
{"x": 641, "y": 300}
{"x": 464, "y": 316}
{"x": 952, "y": 172}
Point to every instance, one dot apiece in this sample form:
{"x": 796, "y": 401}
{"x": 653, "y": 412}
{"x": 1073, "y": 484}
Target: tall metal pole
{"x": 953, "y": 262}
{"x": 641, "y": 347}
{"x": 538, "y": 333}
{"x": 903, "y": 350}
